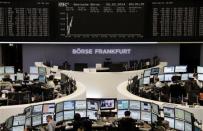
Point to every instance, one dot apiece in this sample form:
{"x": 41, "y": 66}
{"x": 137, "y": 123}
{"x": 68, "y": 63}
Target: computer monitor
{"x": 2, "y": 71}
{"x": 121, "y": 113}
{"x": 20, "y": 76}
{"x": 42, "y": 70}
{"x": 92, "y": 114}
{"x": 44, "y": 117}
{"x": 184, "y": 77}
{"x": 154, "y": 118}
{"x": 146, "y": 116}
{"x": 181, "y": 69}
{"x": 141, "y": 81}
{"x": 9, "y": 69}
{"x": 49, "y": 108}
{"x": 145, "y": 106}
{"x": 179, "y": 125}
{"x": 199, "y": 69}
{"x": 68, "y": 115}
{"x": 146, "y": 80}
{"x": 171, "y": 121}
{"x": 168, "y": 77}
{"x": 19, "y": 120}
{"x": 92, "y": 105}
{"x": 33, "y": 70}
{"x": 69, "y": 105}
{"x": 9, "y": 122}
{"x": 59, "y": 107}
{"x": 161, "y": 77}
{"x": 179, "y": 113}
{"x": 188, "y": 126}
{"x": 83, "y": 113}
{"x": 107, "y": 104}
{"x": 200, "y": 77}
{"x": 1, "y": 77}
{"x": 37, "y": 120}
{"x": 28, "y": 111}
{"x": 169, "y": 112}
{"x": 135, "y": 114}
{"x": 18, "y": 128}
{"x": 169, "y": 69}
{"x": 37, "y": 109}
{"x": 28, "y": 121}
{"x": 12, "y": 76}
{"x": 155, "y": 108}
{"x": 134, "y": 105}
{"x": 59, "y": 117}
{"x": 188, "y": 117}
{"x": 42, "y": 78}
{"x": 154, "y": 71}
{"x": 190, "y": 75}
{"x": 80, "y": 105}
{"x": 123, "y": 104}
{"x": 33, "y": 76}
{"x": 147, "y": 73}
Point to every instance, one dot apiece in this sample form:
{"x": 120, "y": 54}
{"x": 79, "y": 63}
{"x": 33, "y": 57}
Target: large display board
{"x": 101, "y": 20}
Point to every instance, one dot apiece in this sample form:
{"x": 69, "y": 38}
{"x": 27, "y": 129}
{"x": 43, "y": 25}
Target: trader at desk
{"x": 6, "y": 84}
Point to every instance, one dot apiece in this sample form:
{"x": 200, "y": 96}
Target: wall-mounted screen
{"x": 121, "y": 113}
{"x": 49, "y": 108}
{"x": 37, "y": 109}
{"x": 82, "y": 113}
{"x": 200, "y": 77}
{"x": 107, "y": 104}
{"x": 42, "y": 70}
{"x": 19, "y": 120}
{"x": 146, "y": 116}
{"x": 188, "y": 126}
{"x": 168, "y": 77}
{"x": 161, "y": 77}
{"x": 179, "y": 113}
{"x": 44, "y": 117}
{"x": 33, "y": 76}
{"x": 59, "y": 117}
{"x": 199, "y": 69}
{"x": 155, "y": 108}
{"x": 135, "y": 114}
{"x": 123, "y": 104}
{"x": 2, "y": 71}
{"x": 92, "y": 105}
{"x": 37, "y": 120}
{"x": 18, "y": 128}
{"x": 69, "y": 105}
{"x": 154, "y": 71}
{"x": 184, "y": 77}
{"x": 28, "y": 121}
{"x": 42, "y": 78}
{"x": 19, "y": 76}
{"x": 147, "y": 73}
{"x": 146, "y": 80}
{"x": 59, "y": 107}
{"x": 188, "y": 117}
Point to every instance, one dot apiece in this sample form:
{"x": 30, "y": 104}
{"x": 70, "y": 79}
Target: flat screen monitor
{"x": 161, "y": 77}
{"x": 18, "y": 128}
{"x": 42, "y": 78}
{"x": 59, "y": 117}
{"x": 33, "y": 70}
{"x": 2, "y": 71}
{"x": 168, "y": 77}
{"x": 155, "y": 108}
{"x": 92, "y": 114}
{"x": 146, "y": 116}
{"x": 171, "y": 121}
{"x": 134, "y": 105}
{"x": 19, "y": 120}
{"x": 184, "y": 77}
{"x": 135, "y": 114}
{"x": 9, "y": 69}
{"x": 200, "y": 77}
{"x": 169, "y": 112}
{"x": 44, "y": 117}
{"x": 154, "y": 71}
{"x": 59, "y": 107}
{"x": 188, "y": 117}
{"x": 9, "y": 122}
{"x": 181, "y": 69}
{"x": 37, "y": 109}
{"x": 82, "y": 113}
{"x": 199, "y": 69}
{"x": 154, "y": 118}
{"x": 28, "y": 111}
{"x": 179, "y": 125}
{"x": 179, "y": 113}
{"x": 37, "y": 120}
{"x": 169, "y": 69}
{"x": 123, "y": 104}
{"x": 69, "y": 105}
{"x": 80, "y": 105}
{"x": 49, "y": 108}
{"x": 146, "y": 80}
{"x": 92, "y": 105}
{"x": 1, "y": 77}
{"x": 147, "y": 73}
{"x": 121, "y": 113}
{"x": 33, "y": 76}
{"x": 107, "y": 104}
{"x": 68, "y": 115}
{"x": 20, "y": 76}
{"x": 12, "y": 76}
{"x": 141, "y": 81}
{"x": 28, "y": 121}
{"x": 145, "y": 106}
{"x": 42, "y": 70}
{"x": 188, "y": 126}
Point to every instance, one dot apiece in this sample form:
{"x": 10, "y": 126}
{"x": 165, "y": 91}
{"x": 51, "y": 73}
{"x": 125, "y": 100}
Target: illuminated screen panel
{"x": 123, "y": 104}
